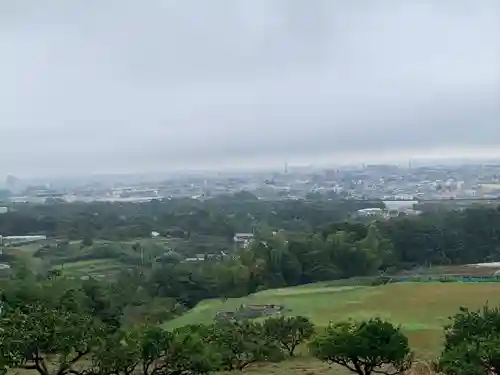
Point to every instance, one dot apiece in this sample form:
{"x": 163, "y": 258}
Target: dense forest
{"x": 221, "y": 216}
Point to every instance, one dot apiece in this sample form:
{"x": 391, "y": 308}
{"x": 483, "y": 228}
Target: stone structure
{"x": 245, "y": 312}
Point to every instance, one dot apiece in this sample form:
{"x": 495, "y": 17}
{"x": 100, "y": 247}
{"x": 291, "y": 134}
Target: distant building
{"x": 243, "y": 239}
{"x": 370, "y": 211}
{"x": 4, "y": 210}
{"x": 392, "y": 209}
{"x": 411, "y": 212}
{"x": 18, "y": 240}
{"x": 202, "y": 257}
{"x": 11, "y": 182}
{"x": 25, "y": 199}
{"x": 400, "y": 205}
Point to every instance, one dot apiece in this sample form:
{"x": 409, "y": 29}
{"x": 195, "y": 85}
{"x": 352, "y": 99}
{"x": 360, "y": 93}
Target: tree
{"x": 181, "y": 352}
{"x": 350, "y": 258}
{"x": 471, "y": 343}
{"x": 139, "y": 249}
{"x": 373, "y": 346}
{"x": 154, "y": 351}
{"x": 38, "y": 335}
{"x": 241, "y": 343}
{"x": 289, "y": 332}
{"x": 118, "y": 354}
{"x": 188, "y": 354}
{"x": 153, "y": 343}
{"x": 100, "y": 300}
{"x": 378, "y": 249}
{"x": 87, "y": 242}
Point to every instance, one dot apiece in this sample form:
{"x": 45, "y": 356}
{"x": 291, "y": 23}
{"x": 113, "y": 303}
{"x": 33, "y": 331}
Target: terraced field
{"x": 92, "y": 268}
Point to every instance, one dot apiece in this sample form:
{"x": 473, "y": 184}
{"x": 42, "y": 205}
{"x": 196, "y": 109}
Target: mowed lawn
{"x": 420, "y": 308}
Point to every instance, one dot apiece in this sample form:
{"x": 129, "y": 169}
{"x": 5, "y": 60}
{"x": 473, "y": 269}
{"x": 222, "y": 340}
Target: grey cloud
{"x": 96, "y": 86}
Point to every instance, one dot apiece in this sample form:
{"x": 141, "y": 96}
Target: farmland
{"x": 91, "y": 268}
{"x": 103, "y": 258}
{"x": 71, "y": 259}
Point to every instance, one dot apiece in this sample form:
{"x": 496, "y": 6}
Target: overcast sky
{"x": 91, "y": 86}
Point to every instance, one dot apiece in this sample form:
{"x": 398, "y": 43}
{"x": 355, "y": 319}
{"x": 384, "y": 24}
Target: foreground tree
{"x": 289, "y": 332}
{"x": 118, "y": 354}
{"x": 241, "y": 343}
{"x": 154, "y": 342}
{"x": 47, "y": 340}
{"x": 154, "y": 351}
{"x": 188, "y": 354}
{"x": 471, "y": 343}
{"x": 373, "y": 346}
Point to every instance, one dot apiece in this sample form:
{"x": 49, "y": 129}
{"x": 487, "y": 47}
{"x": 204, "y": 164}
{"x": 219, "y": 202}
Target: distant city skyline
{"x": 446, "y": 156}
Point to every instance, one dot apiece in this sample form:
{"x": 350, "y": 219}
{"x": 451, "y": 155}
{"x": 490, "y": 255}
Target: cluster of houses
{"x": 241, "y": 240}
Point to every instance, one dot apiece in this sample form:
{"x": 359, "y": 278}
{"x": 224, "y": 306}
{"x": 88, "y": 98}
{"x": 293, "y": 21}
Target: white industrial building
{"x": 370, "y": 211}
{"x": 392, "y": 209}
{"x": 243, "y": 239}
{"x": 401, "y": 205}
{"x": 18, "y": 240}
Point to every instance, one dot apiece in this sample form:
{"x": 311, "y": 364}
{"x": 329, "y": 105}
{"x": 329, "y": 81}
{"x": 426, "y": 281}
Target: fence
{"x": 446, "y": 278}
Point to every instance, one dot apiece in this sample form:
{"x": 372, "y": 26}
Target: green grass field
{"x": 420, "y": 308}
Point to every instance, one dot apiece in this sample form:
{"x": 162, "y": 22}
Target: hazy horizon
{"x": 449, "y": 158}
{"x": 112, "y": 86}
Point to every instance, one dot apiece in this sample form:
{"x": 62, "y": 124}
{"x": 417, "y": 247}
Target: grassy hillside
{"x": 421, "y": 308}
